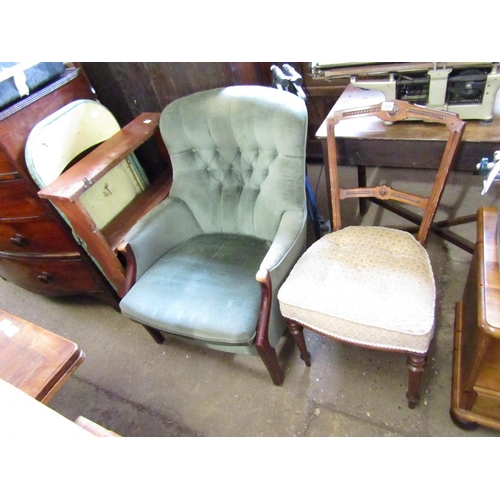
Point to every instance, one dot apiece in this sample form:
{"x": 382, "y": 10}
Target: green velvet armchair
{"x": 207, "y": 262}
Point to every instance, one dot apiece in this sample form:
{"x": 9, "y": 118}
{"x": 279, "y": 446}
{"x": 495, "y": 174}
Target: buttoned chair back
{"x": 207, "y": 262}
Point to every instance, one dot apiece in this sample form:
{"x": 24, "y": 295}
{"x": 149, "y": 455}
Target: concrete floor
{"x": 135, "y": 387}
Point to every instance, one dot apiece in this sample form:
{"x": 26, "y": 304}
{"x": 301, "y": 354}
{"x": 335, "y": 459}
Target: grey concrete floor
{"x": 135, "y": 387}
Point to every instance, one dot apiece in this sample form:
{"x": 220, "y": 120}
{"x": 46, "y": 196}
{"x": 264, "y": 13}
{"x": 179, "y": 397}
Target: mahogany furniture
{"x": 66, "y": 191}
{"x": 37, "y": 249}
{"x": 373, "y": 286}
{"x": 34, "y": 364}
{"x": 206, "y": 261}
{"x": 370, "y": 143}
{"x": 475, "y": 397}
{"x": 33, "y": 359}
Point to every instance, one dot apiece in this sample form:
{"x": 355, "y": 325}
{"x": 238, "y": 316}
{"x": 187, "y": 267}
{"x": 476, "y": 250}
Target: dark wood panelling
{"x": 131, "y": 88}
{"x": 128, "y": 89}
{"x": 322, "y": 94}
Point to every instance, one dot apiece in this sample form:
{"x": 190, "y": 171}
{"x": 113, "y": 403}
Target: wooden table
{"x": 368, "y": 142}
{"x": 34, "y": 360}
{"x": 475, "y": 395}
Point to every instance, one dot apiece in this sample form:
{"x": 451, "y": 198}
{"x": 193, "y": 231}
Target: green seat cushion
{"x": 204, "y": 288}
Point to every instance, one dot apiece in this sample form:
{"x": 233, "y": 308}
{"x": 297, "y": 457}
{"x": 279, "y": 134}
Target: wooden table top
{"x": 373, "y": 128}
{"x": 33, "y": 359}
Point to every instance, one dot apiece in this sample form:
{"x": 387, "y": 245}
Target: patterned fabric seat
{"x": 393, "y": 283}
{"x": 373, "y": 286}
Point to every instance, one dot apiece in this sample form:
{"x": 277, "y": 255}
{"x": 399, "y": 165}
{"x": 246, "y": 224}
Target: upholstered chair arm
{"x": 287, "y": 246}
{"x": 168, "y": 224}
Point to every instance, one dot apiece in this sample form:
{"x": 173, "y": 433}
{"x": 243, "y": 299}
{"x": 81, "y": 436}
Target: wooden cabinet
{"x": 37, "y": 249}
{"x": 476, "y": 362}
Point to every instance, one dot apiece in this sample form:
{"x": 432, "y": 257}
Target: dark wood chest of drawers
{"x": 37, "y": 249}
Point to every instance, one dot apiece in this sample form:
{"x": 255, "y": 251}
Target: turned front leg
{"x": 416, "y": 364}
{"x": 297, "y": 332}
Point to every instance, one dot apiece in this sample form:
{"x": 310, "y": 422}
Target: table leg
{"x": 363, "y": 202}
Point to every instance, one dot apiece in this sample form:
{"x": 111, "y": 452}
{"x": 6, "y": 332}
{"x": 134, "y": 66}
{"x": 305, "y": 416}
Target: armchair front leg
{"x": 266, "y": 351}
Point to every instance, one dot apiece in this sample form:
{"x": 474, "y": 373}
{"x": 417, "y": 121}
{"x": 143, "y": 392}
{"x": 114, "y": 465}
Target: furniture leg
{"x": 297, "y": 332}
{"x": 463, "y": 424}
{"x": 266, "y": 351}
{"x": 363, "y": 202}
{"x": 156, "y": 334}
{"x": 416, "y": 364}
{"x": 269, "y": 357}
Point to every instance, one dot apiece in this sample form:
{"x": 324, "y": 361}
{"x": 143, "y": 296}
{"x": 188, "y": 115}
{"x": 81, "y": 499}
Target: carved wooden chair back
{"x": 395, "y": 111}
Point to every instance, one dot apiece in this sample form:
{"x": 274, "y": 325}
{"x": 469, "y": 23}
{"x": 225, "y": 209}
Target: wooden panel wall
{"x": 321, "y": 96}
{"x": 129, "y": 88}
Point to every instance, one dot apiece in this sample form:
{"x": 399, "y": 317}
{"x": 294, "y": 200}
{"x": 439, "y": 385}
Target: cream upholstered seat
{"x": 372, "y": 286}
{"x": 393, "y": 282}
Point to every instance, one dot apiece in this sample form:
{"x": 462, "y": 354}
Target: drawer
{"x": 7, "y": 170}
{"x": 50, "y": 277}
{"x": 16, "y": 200}
{"x": 39, "y": 235}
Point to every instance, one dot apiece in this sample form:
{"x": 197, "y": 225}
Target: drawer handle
{"x": 44, "y": 278}
{"x": 19, "y": 240}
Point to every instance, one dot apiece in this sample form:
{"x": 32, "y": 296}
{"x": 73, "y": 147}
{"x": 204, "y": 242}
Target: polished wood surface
{"x": 37, "y": 249}
{"x": 476, "y": 362}
{"x": 371, "y": 143}
{"x": 95, "y": 165}
{"x": 34, "y": 360}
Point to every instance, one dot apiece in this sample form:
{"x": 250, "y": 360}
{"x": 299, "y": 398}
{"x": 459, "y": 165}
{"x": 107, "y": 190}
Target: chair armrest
{"x": 287, "y": 246}
{"x": 101, "y": 160}
{"x": 66, "y": 190}
{"x": 166, "y": 225}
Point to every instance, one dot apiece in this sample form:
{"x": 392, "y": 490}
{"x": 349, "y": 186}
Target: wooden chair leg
{"x": 416, "y": 364}
{"x": 268, "y": 355}
{"x": 156, "y": 334}
{"x": 297, "y": 332}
